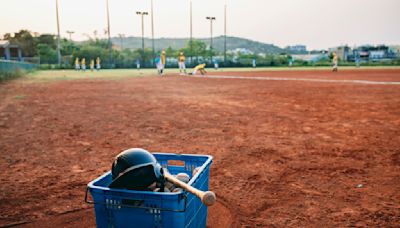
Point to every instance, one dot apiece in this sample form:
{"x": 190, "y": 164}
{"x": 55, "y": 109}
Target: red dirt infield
{"x": 286, "y": 153}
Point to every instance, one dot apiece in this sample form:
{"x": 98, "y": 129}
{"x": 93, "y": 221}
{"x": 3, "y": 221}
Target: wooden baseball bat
{"x": 208, "y": 198}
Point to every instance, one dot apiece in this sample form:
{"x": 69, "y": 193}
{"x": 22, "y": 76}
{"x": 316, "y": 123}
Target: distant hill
{"x": 218, "y": 42}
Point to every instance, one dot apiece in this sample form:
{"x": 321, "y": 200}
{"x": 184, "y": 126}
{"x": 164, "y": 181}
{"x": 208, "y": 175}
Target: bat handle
{"x": 208, "y": 198}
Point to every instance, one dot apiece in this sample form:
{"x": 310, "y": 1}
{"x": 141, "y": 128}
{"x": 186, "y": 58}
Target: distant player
{"x": 77, "y": 65}
{"x": 138, "y": 64}
{"x": 83, "y": 64}
{"x": 91, "y": 64}
{"x": 290, "y": 61}
{"x": 163, "y": 61}
{"x": 98, "y": 62}
{"x": 215, "y": 64}
{"x": 157, "y": 61}
{"x": 181, "y": 62}
{"x": 335, "y": 62}
{"x": 201, "y": 68}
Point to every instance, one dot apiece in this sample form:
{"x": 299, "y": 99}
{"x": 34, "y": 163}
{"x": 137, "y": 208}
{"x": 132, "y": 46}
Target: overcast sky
{"x": 315, "y": 23}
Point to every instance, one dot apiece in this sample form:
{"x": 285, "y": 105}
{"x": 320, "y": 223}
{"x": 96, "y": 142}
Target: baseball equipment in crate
{"x": 130, "y": 208}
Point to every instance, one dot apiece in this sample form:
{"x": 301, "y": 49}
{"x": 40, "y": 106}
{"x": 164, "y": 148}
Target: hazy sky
{"x": 315, "y": 23}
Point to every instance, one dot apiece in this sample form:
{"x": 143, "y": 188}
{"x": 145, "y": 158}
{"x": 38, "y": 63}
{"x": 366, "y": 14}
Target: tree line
{"x": 44, "y": 47}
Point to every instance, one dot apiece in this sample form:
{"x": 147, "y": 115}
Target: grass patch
{"x": 64, "y": 75}
{"x": 8, "y": 75}
{"x": 19, "y": 97}
{"x": 117, "y": 74}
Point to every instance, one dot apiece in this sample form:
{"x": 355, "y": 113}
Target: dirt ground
{"x": 286, "y": 153}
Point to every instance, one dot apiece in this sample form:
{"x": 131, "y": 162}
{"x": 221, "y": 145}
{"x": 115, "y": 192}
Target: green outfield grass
{"x": 51, "y": 75}
{"x": 57, "y": 75}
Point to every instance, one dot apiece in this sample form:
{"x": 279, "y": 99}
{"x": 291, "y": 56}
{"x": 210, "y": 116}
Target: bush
{"x": 8, "y": 75}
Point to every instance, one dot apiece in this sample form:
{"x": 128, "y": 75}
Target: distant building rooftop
{"x": 4, "y": 43}
{"x": 9, "y": 51}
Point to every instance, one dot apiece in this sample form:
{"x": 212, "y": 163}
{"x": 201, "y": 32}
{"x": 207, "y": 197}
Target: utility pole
{"x": 211, "y": 30}
{"x": 58, "y": 36}
{"x": 152, "y": 31}
{"x": 109, "y": 36}
{"x": 191, "y": 34}
{"x": 225, "y": 37}
{"x": 121, "y": 37}
{"x": 70, "y": 34}
{"x": 142, "y": 14}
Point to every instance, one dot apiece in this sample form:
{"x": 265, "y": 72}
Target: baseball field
{"x": 291, "y": 148}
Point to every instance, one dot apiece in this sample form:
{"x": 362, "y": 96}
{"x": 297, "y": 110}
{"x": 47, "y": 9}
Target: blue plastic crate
{"x": 126, "y": 208}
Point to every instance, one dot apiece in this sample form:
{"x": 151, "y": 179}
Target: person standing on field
{"x": 335, "y": 62}
{"x": 83, "y": 64}
{"x": 77, "y": 65}
{"x": 91, "y": 64}
{"x": 157, "y": 61}
{"x": 98, "y": 61}
{"x": 163, "y": 61}
{"x": 181, "y": 62}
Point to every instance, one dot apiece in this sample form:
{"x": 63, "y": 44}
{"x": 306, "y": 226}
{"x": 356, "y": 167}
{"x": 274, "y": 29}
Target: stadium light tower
{"x": 108, "y": 32}
{"x": 152, "y": 30}
{"x": 142, "y": 14}
{"x": 211, "y": 30}
{"x": 70, "y": 34}
{"x": 225, "y": 36}
{"x": 58, "y": 36}
{"x": 191, "y": 33}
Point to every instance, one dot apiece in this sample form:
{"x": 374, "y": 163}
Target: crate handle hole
{"x": 176, "y": 163}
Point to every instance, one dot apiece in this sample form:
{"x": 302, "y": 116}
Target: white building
{"x": 378, "y": 54}
{"x": 297, "y": 48}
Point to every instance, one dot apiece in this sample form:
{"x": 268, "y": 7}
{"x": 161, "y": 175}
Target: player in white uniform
{"x": 335, "y": 62}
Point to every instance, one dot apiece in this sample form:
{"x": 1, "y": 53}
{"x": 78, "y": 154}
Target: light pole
{"x": 152, "y": 31}
{"x": 225, "y": 37}
{"x": 109, "y": 36}
{"x": 58, "y": 36}
{"x": 211, "y": 30}
{"x": 121, "y": 37}
{"x": 142, "y": 14}
{"x": 70, "y": 34}
{"x": 191, "y": 33}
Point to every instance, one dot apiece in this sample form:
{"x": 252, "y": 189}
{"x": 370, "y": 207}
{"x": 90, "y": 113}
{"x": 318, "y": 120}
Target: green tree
{"x": 172, "y": 52}
{"x": 24, "y": 40}
{"x": 199, "y": 50}
{"x": 48, "y": 39}
{"x": 68, "y": 47}
{"x": 147, "y": 56}
{"x": 47, "y": 54}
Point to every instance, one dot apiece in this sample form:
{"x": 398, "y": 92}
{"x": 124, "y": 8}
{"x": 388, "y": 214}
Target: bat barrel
{"x": 208, "y": 198}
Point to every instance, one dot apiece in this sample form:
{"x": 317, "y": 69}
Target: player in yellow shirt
{"x": 163, "y": 61}
{"x": 335, "y": 62}
{"x": 181, "y": 62}
{"x": 83, "y": 64}
{"x": 92, "y": 64}
{"x": 201, "y": 68}
{"x": 98, "y": 61}
{"x": 77, "y": 66}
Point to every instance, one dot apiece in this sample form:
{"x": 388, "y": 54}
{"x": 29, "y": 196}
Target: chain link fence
{"x": 12, "y": 69}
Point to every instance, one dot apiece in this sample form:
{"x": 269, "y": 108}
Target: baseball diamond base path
{"x": 286, "y": 153}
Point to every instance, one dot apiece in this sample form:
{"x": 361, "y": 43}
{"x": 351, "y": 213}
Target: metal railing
{"x": 9, "y": 66}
